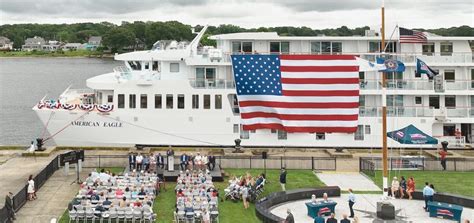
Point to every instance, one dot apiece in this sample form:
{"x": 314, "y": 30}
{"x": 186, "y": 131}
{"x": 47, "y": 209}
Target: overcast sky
{"x": 247, "y": 13}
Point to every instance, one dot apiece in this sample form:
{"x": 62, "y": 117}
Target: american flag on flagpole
{"x": 298, "y": 93}
{"x": 411, "y": 36}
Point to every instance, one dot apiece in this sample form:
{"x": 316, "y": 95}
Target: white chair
{"x": 72, "y": 216}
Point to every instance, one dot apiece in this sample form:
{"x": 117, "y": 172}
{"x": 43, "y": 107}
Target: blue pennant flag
{"x": 422, "y": 68}
{"x": 391, "y": 65}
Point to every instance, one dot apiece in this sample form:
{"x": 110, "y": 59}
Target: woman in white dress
{"x": 31, "y": 188}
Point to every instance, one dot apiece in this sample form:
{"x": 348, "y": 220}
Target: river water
{"x": 24, "y": 81}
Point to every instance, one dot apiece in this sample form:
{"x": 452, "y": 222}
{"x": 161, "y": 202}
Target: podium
{"x": 170, "y": 163}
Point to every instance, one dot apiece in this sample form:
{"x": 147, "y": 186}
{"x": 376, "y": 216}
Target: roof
{"x": 95, "y": 38}
{"x": 275, "y": 36}
{"x": 4, "y": 40}
{"x": 164, "y": 55}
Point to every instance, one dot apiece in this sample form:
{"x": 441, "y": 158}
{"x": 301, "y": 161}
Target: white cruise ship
{"x": 184, "y": 94}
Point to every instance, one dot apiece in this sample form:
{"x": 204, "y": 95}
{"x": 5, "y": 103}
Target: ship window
{"x": 132, "y": 103}
{"x": 195, "y": 101}
{"x": 242, "y": 47}
{"x": 434, "y": 101}
{"x": 121, "y": 101}
{"x": 446, "y": 49}
{"x": 359, "y": 134}
{"x": 155, "y": 66}
{"x": 169, "y": 101}
{"x": 316, "y": 47}
{"x": 218, "y": 101}
{"x": 143, "y": 101}
{"x": 367, "y": 129}
{"x": 247, "y": 47}
{"x": 279, "y": 47}
{"x": 326, "y": 47}
{"x": 244, "y": 134}
{"x": 158, "y": 101}
{"x": 374, "y": 47}
{"x": 336, "y": 47}
{"x": 361, "y": 100}
{"x": 135, "y": 65}
{"x": 180, "y": 101}
{"x": 282, "y": 134}
{"x": 450, "y": 101}
{"x": 174, "y": 67}
{"x": 449, "y": 75}
{"x": 236, "y": 128}
{"x": 236, "y": 47}
{"x": 428, "y": 49}
{"x": 273, "y": 131}
{"x": 320, "y": 136}
{"x": 110, "y": 98}
{"x": 147, "y": 65}
{"x": 418, "y": 100}
{"x": 200, "y": 77}
{"x": 207, "y": 101}
{"x": 211, "y": 77}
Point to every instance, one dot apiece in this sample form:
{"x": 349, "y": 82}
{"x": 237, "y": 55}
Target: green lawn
{"x": 444, "y": 181}
{"x": 229, "y": 211}
{"x": 74, "y": 53}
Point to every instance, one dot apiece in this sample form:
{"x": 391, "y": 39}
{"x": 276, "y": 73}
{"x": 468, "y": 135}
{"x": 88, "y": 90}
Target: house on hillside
{"x": 74, "y": 46}
{"x": 52, "y": 45}
{"x": 5, "y": 43}
{"x": 35, "y": 43}
{"x": 94, "y": 42}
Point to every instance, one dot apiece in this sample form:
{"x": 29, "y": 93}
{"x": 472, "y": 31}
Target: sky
{"x": 316, "y": 14}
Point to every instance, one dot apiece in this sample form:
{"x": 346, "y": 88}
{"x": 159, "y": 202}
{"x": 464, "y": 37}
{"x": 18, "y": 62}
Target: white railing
{"x": 212, "y": 84}
{"x": 458, "y": 112}
{"x": 415, "y": 84}
{"x": 123, "y": 72}
{"x": 457, "y": 141}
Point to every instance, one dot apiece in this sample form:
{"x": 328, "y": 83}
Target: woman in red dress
{"x": 410, "y": 187}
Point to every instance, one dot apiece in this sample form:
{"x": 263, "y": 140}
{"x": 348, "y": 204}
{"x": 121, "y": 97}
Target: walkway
{"x": 53, "y": 198}
{"x": 346, "y": 180}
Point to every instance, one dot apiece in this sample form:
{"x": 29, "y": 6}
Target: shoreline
{"x": 62, "y": 57}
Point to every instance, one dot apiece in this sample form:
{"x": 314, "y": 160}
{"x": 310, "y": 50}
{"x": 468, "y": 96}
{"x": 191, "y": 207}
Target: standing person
{"x": 212, "y": 162}
{"x": 131, "y": 161}
{"x": 139, "y": 160}
{"x": 160, "y": 161}
{"x": 289, "y": 218}
{"x": 183, "y": 161}
{"x": 410, "y": 187}
{"x": 170, "y": 158}
{"x": 442, "y": 157}
{"x": 283, "y": 179}
{"x": 31, "y": 189}
{"x": 351, "y": 201}
{"x": 319, "y": 219}
{"x": 458, "y": 135}
{"x": 403, "y": 186}
{"x": 395, "y": 187}
{"x": 344, "y": 219}
{"x": 152, "y": 162}
{"x": 146, "y": 162}
{"x": 428, "y": 193}
{"x": 245, "y": 196}
{"x": 332, "y": 219}
{"x": 9, "y": 206}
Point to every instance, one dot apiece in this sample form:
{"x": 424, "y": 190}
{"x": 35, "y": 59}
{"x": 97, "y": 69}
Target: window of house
{"x": 434, "y": 101}
{"x": 450, "y": 101}
{"x": 110, "y": 98}
{"x": 367, "y": 130}
{"x": 174, "y": 67}
{"x": 158, "y": 101}
{"x": 180, "y": 101}
{"x": 242, "y": 47}
{"x": 279, "y": 47}
{"x": 121, "y": 101}
{"x": 236, "y": 128}
{"x": 244, "y": 134}
{"x": 195, "y": 101}
{"x": 446, "y": 49}
{"x": 449, "y": 75}
{"x": 218, "y": 101}
{"x": 132, "y": 102}
{"x": 282, "y": 135}
{"x": 169, "y": 101}
{"x": 418, "y": 100}
{"x": 143, "y": 101}
{"x": 207, "y": 101}
{"x": 320, "y": 136}
{"x": 359, "y": 134}
{"x": 428, "y": 49}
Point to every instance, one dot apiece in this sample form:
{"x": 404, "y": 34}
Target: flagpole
{"x": 384, "y": 114}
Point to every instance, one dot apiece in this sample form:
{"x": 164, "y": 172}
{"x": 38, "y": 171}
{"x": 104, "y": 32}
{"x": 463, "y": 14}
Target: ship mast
{"x": 384, "y": 112}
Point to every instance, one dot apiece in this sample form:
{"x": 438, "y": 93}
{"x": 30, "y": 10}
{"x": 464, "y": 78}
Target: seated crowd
{"x": 196, "y": 197}
{"x": 245, "y": 187}
{"x": 105, "y": 195}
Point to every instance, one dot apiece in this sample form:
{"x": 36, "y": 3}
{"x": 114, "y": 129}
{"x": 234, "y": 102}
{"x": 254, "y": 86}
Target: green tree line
{"x": 130, "y": 33}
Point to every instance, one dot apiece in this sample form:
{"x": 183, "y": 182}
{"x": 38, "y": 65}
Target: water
{"x": 24, "y": 81}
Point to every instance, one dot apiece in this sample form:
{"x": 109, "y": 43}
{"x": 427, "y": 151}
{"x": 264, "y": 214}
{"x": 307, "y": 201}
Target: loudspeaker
{"x": 264, "y": 155}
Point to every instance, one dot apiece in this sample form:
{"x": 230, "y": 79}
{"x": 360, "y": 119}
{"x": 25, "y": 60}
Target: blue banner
{"x": 391, "y": 65}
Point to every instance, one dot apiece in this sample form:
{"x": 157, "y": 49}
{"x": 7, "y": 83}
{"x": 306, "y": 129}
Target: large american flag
{"x": 412, "y": 36}
{"x": 298, "y": 93}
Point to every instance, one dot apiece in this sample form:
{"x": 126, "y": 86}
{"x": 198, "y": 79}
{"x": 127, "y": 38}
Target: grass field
{"x": 444, "y": 181}
{"x": 75, "y": 53}
{"x": 229, "y": 211}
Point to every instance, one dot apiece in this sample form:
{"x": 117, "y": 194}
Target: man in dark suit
{"x": 183, "y": 161}
{"x": 345, "y": 220}
{"x": 160, "y": 161}
{"x": 212, "y": 162}
{"x": 9, "y": 207}
{"x": 331, "y": 219}
{"x": 131, "y": 161}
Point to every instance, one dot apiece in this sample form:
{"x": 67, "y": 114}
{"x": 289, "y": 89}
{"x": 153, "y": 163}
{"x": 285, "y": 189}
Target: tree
{"x": 118, "y": 38}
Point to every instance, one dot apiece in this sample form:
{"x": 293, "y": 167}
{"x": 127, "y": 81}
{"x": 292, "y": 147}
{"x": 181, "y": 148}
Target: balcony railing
{"x": 416, "y": 84}
{"x": 458, "y": 112}
{"x": 212, "y": 84}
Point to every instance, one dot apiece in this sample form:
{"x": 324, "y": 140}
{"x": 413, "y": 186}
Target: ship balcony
{"x": 77, "y": 96}
{"x": 430, "y": 58}
{"x": 418, "y": 84}
{"x": 441, "y": 114}
{"x": 212, "y": 84}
